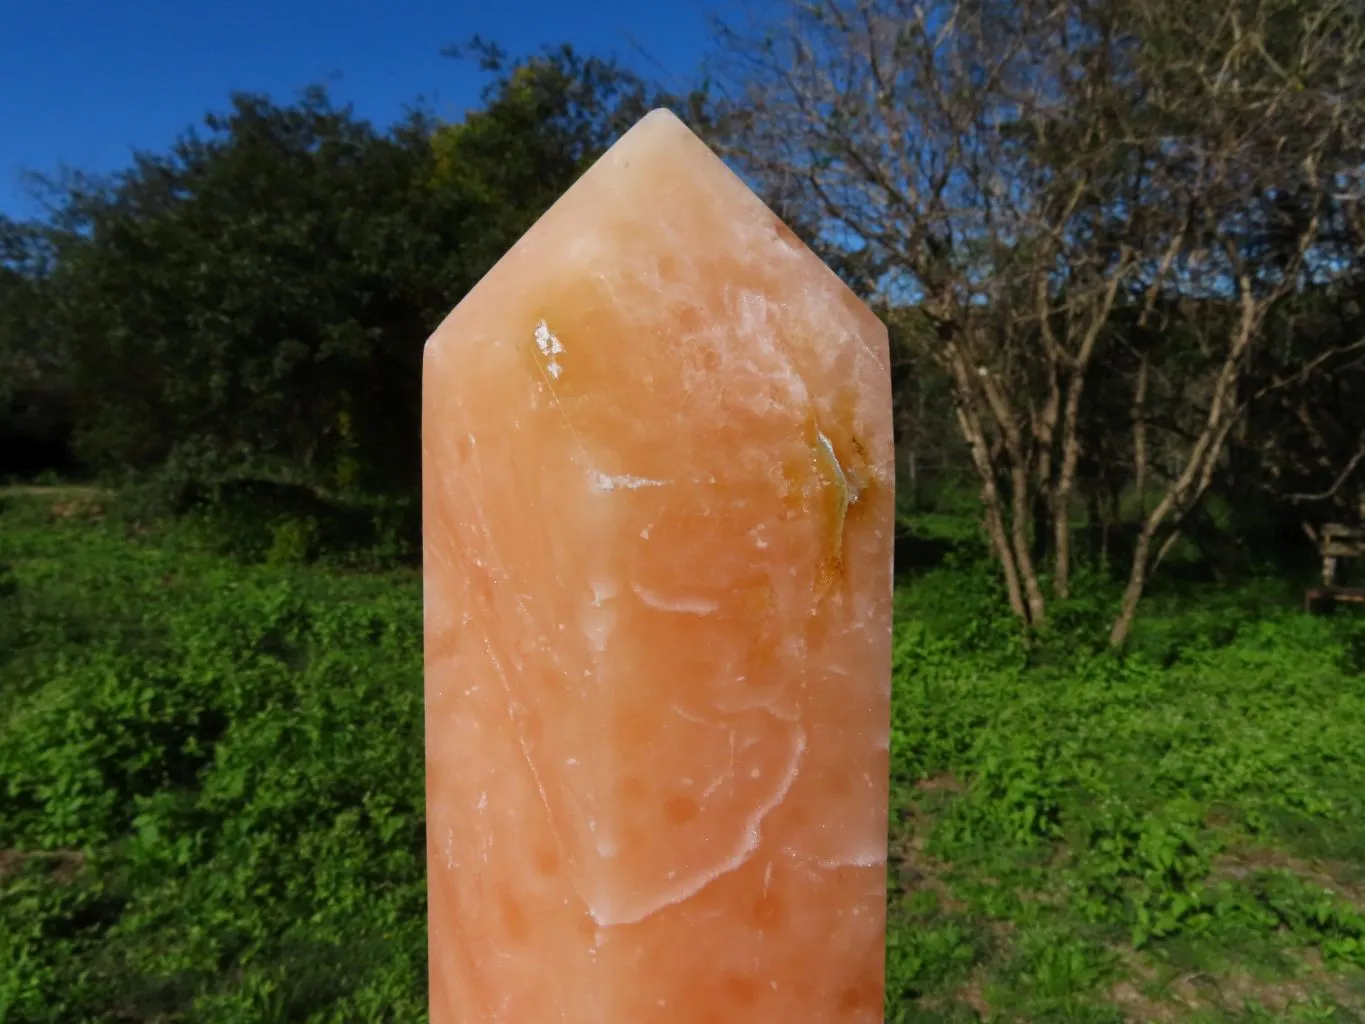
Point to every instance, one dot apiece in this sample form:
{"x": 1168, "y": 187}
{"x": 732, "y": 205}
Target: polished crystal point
{"x": 658, "y": 506}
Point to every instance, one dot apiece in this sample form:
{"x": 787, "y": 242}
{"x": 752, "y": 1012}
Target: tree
{"x": 245, "y": 302}
{"x": 35, "y": 401}
{"x": 1304, "y": 447}
{"x": 544, "y": 121}
{"x": 1064, "y": 186}
{"x": 253, "y": 302}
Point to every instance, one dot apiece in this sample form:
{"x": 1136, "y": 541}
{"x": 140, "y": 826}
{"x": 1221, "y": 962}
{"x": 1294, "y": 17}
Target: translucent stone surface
{"x": 658, "y": 528}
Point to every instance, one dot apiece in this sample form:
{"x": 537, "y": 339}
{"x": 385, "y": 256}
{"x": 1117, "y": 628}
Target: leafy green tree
{"x": 253, "y": 302}
{"x": 544, "y": 121}
{"x": 246, "y": 301}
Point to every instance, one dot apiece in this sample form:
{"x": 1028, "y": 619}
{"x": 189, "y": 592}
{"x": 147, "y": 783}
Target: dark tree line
{"x": 253, "y": 302}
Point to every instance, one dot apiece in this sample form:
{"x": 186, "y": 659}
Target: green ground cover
{"x": 211, "y": 795}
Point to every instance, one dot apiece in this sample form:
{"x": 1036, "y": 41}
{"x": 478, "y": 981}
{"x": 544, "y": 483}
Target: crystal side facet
{"x": 658, "y": 509}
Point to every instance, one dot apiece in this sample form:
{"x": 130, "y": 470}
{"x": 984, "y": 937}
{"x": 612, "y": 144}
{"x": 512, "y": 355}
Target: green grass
{"x": 1179, "y": 834}
{"x": 231, "y": 759}
{"x": 211, "y": 795}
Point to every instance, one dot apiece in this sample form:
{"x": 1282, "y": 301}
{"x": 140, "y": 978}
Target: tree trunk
{"x": 970, "y": 425}
{"x": 1037, "y": 606}
{"x": 974, "y": 395}
{"x": 1184, "y": 492}
{"x": 1141, "y": 460}
{"x": 1094, "y": 528}
{"x": 995, "y": 527}
{"x": 1132, "y": 593}
{"x": 1143, "y": 564}
{"x": 1061, "y": 523}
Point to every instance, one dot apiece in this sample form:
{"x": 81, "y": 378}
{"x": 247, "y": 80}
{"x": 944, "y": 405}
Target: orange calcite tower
{"x": 658, "y": 527}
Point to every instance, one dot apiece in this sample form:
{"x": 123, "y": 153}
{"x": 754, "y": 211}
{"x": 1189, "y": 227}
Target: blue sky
{"x": 87, "y": 81}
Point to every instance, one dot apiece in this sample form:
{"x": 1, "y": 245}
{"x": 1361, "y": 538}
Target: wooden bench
{"x": 1336, "y": 542}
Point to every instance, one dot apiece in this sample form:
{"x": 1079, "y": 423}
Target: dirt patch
{"x": 1341, "y": 880}
{"x": 63, "y": 865}
{"x": 1234, "y": 991}
{"x": 945, "y": 783}
{"x": 1346, "y": 989}
{"x": 54, "y": 491}
{"x": 1133, "y": 993}
{"x": 1145, "y": 995}
{"x": 973, "y": 993}
{"x": 1137, "y": 1007}
{"x": 64, "y": 502}
{"x": 913, "y": 870}
{"x": 1237, "y": 990}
